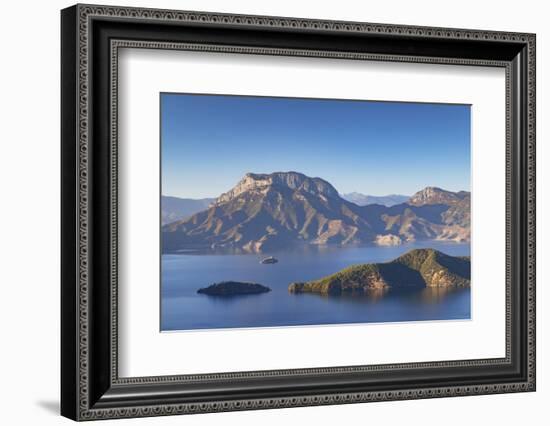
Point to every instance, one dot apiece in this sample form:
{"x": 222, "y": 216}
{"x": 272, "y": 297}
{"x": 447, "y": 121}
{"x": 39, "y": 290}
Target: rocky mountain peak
{"x": 254, "y": 182}
{"x": 266, "y": 212}
{"x": 435, "y": 195}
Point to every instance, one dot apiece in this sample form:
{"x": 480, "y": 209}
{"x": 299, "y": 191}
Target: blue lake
{"x": 183, "y": 274}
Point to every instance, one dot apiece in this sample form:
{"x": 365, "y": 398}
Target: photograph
{"x": 280, "y": 211}
{"x": 264, "y": 209}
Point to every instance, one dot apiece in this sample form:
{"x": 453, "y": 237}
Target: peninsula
{"x": 417, "y": 268}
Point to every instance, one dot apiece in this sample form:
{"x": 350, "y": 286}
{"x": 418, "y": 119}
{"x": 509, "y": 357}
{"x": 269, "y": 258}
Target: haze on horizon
{"x": 209, "y": 142}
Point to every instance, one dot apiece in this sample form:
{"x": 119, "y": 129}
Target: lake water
{"x": 183, "y": 274}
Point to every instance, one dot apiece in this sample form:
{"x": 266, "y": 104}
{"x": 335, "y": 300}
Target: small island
{"x": 417, "y": 268}
{"x": 233, "y": 288}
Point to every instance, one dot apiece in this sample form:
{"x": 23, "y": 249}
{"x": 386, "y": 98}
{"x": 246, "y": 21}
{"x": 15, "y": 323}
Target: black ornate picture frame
{"x": 90, "y": 38}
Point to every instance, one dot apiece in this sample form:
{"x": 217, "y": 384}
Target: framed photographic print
{"x": 263, "y": 212}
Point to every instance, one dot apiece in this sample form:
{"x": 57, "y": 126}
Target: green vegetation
{"x": 415, "y": 269}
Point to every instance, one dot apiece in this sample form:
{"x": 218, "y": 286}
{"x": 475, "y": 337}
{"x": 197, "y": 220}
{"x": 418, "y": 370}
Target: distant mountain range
{"x": 266, "y": 212}
{"x": 173, "y": 208}
{"x": 385, "y": 200}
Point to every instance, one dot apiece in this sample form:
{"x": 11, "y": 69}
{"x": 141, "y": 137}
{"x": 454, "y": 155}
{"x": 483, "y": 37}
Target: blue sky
{"x": 209, "y": 142}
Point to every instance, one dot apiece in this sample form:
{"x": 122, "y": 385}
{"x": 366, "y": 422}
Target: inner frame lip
{"x": 116, "y": 44}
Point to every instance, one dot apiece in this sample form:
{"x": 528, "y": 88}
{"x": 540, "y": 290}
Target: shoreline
{"x": 312, "y": 248}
